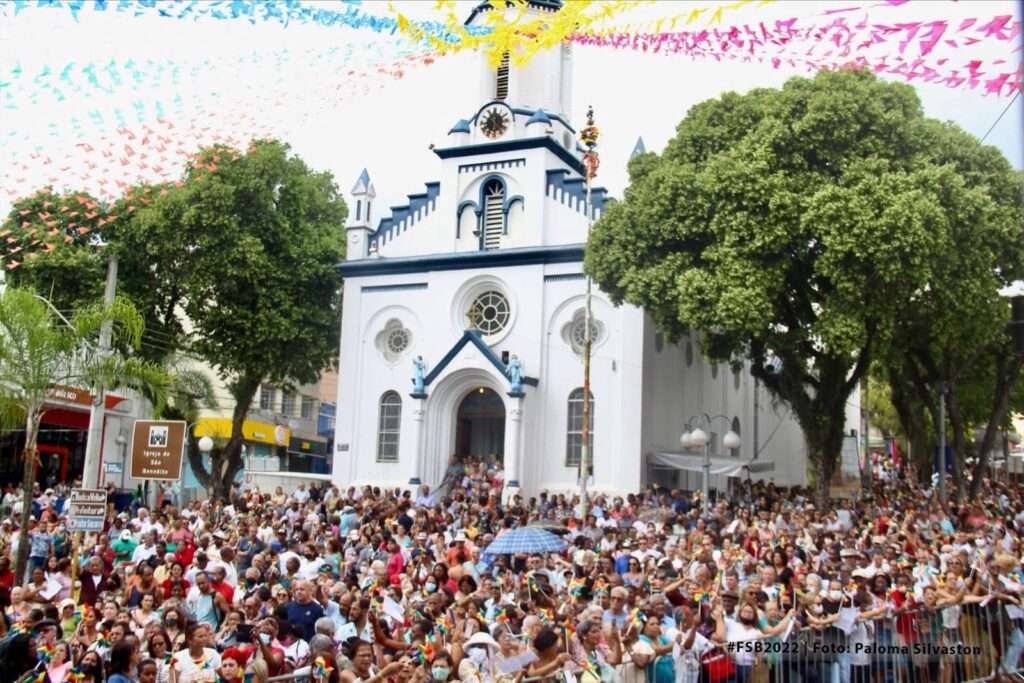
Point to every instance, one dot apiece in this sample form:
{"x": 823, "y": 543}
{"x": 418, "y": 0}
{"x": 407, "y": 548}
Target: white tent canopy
{"x": 729, "y": 467}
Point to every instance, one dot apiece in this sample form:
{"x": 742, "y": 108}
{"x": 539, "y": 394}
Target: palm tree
{"x": 40, "y": 349}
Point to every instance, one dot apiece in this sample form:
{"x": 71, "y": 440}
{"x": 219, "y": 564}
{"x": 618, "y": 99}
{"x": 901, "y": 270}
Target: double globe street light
{"x": 698, "y": 438}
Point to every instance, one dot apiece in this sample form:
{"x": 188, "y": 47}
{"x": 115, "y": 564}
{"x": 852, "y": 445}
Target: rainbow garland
{"x": 45, "y": 652}
{"x": 321, "y": 669}
{"x": 425, "y": 653}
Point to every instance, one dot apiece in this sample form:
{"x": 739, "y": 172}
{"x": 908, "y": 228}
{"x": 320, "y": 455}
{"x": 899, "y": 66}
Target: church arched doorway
{"x": 480, "y": 426}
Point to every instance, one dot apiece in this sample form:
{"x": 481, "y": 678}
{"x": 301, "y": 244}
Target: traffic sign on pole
{"x": 158, "y": 449}
{"x": 88, "y": 510}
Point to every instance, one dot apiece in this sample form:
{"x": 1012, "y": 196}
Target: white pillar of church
{"x": 419, "y": 410}
{"x": 513, "y": 424}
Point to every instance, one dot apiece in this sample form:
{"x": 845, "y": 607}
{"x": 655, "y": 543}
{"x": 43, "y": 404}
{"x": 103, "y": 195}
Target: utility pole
{"x": 942, "y": 443}
{"x": 866, "y": 411}
{"x": 589, "y": 137}
{"x": 93, "y": 447}
{"x": 757, "y": 417}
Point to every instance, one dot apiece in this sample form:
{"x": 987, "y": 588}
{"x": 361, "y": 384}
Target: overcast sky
{"x": 309, "y": 100}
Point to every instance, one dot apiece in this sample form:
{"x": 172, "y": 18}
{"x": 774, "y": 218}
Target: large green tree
{"x": 953, "y": 336}
{"x": 41, "y": 348}
{"x": 238, "y": 265}
{"x": 798, "y": 224}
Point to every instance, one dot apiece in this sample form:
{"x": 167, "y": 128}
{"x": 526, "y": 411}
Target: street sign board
{"x": 88, "y": 509}
{"x": 158, "y": 448}
{"x": 113, "y": 467}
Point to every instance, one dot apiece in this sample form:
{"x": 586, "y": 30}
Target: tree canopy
{"x": 47, "y": 242}
{"x": 800, "y": 223}
{"x": 239, "y": 266}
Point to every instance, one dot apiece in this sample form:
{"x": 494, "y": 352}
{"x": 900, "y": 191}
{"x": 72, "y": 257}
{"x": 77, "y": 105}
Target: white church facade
{"x": 479, "y": 278}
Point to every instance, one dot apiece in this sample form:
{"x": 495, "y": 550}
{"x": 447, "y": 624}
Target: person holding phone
{"x": 270, "y": 649}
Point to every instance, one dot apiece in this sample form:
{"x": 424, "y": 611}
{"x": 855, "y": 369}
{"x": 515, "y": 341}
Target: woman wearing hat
{"x": 69, "y": 617}
{"x": 476, "y": 665}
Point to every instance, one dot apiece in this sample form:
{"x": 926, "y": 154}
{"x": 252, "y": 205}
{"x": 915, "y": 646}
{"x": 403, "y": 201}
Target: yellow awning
{"x": 256, "y": 432}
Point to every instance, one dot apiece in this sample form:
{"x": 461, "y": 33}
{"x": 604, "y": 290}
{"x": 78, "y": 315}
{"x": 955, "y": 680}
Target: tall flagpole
{"x": 589, "y": 137}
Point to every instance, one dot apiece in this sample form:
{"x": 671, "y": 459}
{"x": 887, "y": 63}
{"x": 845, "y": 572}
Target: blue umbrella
{"x": 526, "y": 539}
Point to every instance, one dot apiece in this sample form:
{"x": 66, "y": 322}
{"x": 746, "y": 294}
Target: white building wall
{"x": 615, "y": 377}
{"x": 676, "y": 390}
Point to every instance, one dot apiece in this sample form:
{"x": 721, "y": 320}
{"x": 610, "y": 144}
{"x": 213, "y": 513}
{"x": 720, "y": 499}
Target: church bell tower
{"x": 544, "y": 83}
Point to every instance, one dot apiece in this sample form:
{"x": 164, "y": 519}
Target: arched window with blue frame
{"x": 492, "y": 222}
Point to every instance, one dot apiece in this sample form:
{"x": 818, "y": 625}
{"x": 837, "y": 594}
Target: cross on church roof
{"x": 473, "y": 315}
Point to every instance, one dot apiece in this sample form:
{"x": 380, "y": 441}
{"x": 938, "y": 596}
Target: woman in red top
{"x": 177, "y": 576}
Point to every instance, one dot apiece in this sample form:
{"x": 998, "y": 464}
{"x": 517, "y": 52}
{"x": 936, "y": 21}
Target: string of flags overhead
{"x": 105, "y": 125}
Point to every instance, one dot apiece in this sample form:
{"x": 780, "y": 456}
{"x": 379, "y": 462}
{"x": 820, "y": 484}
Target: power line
{"x": 1000, "y": 117}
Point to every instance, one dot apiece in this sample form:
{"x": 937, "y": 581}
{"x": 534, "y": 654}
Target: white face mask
{"x": 478, "y": 656}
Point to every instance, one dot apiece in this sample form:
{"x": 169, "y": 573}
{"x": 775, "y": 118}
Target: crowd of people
{"x": 368, "y": 585}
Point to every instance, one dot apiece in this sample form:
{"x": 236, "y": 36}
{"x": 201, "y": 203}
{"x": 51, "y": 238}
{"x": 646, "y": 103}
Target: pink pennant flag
{"x": 938, "y": 28}
{"x": 996, "y": 27}
{"x": 995, "y": 85}
{"x": 841, "y": 11}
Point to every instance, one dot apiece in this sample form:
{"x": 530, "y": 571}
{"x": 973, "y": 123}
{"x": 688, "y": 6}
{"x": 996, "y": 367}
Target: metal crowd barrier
{"x": 911, "y": 647}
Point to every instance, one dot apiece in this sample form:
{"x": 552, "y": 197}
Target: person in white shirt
{"x": 222, "y": 559}
{"x": 744, "y": 629}
{"x": 146, "y": 523}
{"x": 301, "y": 494}
{"x": 688, "y": 653}
{"x": 146, "y": 550}
{"x": 199, "y": 662}
{"x": 310, "y": 565}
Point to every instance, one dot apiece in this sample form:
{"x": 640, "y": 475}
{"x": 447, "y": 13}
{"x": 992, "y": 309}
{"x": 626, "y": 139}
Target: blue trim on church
{"x": 404, "y": 217}
{"x": 572, "y": 192}
{"x": 513, "y": 146}
{"x": 522, "y": 111}
{"x": 496, "y": 258}
{"x": 492, "y": 165}
{"x": 472, "y": 337}
{"x": 532, "y": 113}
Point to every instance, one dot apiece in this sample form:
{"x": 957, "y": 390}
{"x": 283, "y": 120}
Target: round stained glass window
{"x": 489, "y": 312}
{"x": 398, "y": 340}
{"x": 579, "y": 334}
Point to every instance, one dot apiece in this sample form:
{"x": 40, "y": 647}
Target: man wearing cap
{"x": 124, "y": 547}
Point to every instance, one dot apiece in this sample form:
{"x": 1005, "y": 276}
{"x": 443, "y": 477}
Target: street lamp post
{"x": 122, "y": 442}
{"x": 698, "y": 438}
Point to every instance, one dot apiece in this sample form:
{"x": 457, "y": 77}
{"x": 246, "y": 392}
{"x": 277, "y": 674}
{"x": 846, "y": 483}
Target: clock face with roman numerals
{"x": 494, "y": 123}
